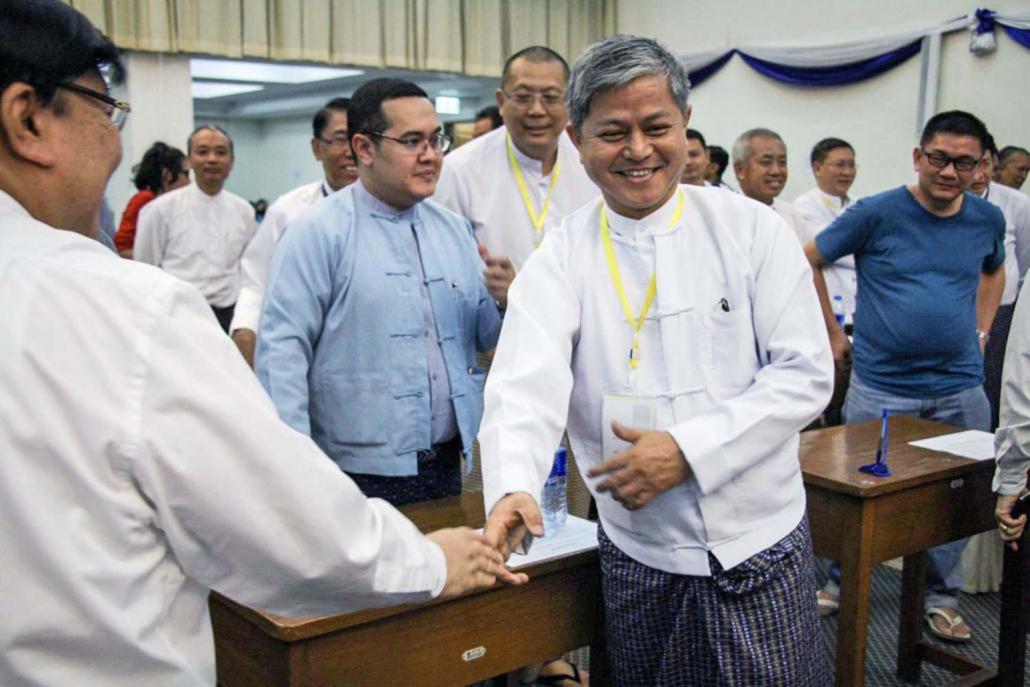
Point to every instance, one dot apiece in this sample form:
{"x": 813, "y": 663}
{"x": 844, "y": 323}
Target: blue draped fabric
{"x": 698, "y": 76}
{"x": 1021, "y": 36}
{"x": 837, "y": 75}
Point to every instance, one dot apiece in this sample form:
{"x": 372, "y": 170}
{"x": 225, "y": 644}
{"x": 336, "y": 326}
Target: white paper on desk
{"x": 577, "y": 535}
{"x": 972, "y": 443}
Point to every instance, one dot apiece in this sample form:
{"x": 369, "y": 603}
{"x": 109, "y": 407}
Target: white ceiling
{"x": 250, "y": 89}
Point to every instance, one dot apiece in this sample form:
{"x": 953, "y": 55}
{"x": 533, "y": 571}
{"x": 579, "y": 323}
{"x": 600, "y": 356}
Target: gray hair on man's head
{"x": 615, "y": 61}
{"x": 742, "y": 146}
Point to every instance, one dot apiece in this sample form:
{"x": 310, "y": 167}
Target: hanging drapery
{"x": 834, "y": 65}
{"x": 468, "y": 36}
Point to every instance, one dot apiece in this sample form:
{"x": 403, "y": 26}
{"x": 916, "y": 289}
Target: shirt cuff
{"x": 437, "y": 563}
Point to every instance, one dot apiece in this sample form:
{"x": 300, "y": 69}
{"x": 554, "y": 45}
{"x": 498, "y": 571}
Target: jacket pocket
{"x": 354, "y": 413}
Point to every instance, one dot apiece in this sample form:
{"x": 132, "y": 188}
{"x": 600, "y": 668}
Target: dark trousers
{"x": 994, "y": 356}
{"x": 224, "y": 316}
{"x": 439, "y": 476}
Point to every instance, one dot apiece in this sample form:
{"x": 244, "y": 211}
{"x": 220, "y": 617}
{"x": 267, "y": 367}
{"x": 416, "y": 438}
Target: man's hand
{"x": 509, "y": 520}
{"x": 640, "y": 473}
{"x": 840, "y": 345}
{"x": 499, "y": 273}
{"x": 245, "y": 340}
{"x": 1011, "y": 529}
{"x": 471, "y": 562}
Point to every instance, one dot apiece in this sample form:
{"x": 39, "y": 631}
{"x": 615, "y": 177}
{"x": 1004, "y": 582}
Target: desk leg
{"x": 600, "y": 667}
{"x": 853, "y": 619}
{"x": 910, "y": 623}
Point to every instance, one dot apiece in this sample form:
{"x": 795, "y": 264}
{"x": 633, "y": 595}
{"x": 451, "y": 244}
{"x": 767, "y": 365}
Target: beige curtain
{"x": 469, "y": 36}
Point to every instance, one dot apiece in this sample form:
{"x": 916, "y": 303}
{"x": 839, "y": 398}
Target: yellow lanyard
{"x": 652, "y": 284}
{"x": 538, "y": 221}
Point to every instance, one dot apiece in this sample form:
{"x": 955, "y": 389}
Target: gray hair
{"x": 742, "y": 146}
{"x": 615, "y": 61}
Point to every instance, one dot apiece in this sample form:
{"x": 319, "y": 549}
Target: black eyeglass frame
{"x": 119, "y": 109}
{"x": 968, "y": 164}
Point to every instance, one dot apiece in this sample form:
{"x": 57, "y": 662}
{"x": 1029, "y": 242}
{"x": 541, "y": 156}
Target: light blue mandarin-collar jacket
{"x": 340, "y": 346}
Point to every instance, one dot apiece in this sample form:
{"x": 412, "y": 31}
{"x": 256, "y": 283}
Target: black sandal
{"x": 558, "y": 678}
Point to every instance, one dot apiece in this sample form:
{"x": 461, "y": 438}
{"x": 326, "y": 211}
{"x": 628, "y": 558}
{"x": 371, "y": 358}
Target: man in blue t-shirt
{"x": 928, "y": 258}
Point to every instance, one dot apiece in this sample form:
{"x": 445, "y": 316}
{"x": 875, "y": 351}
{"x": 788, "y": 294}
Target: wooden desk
{"x": 448, "y": 643}
{"x": 861, "y": 520}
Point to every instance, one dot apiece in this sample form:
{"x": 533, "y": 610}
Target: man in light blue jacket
{"x": 376, "y": 307}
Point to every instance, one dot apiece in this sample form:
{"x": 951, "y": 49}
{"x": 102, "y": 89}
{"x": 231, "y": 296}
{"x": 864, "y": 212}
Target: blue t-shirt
{"x": 915, "y": 314}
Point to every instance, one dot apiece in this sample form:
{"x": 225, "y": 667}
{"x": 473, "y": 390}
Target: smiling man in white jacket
{"x": 677, "y": 332}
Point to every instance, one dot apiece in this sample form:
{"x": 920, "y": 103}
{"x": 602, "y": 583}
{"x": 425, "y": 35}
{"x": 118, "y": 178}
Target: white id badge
{"x": 631, "y": 410}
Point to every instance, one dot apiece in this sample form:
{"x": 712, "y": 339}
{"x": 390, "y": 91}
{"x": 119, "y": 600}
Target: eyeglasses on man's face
{"x": 337, "y": 143}
{"x": 842, "y": 165}
{"x": 417, "y": 143}
{"x": 941, "y": 160}
{"x": 525, "y": 99}
{"x": 116, "y": 110}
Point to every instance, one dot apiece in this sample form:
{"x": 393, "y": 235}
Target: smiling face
{"x": 391, "y": 172}
{"x": 697, "y": 163}
{"x": 532, "y": 105}
{"x": 633, "y": 145}
{"x": 335, "y": 155}
{"x": 764, "y": 174}
{"x": 835, "y": 174}
{"x": 211, "y": 159}
{"x": 1014, "y": 172}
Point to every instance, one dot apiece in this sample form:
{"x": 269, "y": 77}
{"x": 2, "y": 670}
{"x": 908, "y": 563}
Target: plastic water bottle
{"x": 838, "y": 310}
{"x": 553, "y": 503}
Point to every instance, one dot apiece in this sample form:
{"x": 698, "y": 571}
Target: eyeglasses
{"x": 549, "y": 99}
{"x": 418, "y": 144}
{"x": 116, "y": 110}
{"x": 336, "y": 142}
{"x": 941, "y": 161}
{"x": 842, "y": 165}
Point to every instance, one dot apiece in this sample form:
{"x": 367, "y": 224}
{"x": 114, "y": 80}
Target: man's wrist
{"x": 983, "y": 336}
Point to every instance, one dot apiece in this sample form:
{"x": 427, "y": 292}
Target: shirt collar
{"x": 527, "y": 163}
{"x": 204, "y": 197}
{"x": 327, "y": 190}
{"x": 362, "y": 195}
{"x": 9, "y": 205}
{"x": 833, "y": 201}
{"x": 656, "y": 222}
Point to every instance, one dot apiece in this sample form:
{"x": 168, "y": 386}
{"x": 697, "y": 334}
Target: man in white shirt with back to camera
{"x": 677, "y": 331}
{"x": 1015, "y": 206}
{"x": 834, "y": 169}
{"x": 198, "y": 233}
{"x": 143, "y": 463}
{"x": 760, "y": 163}
{"x": 519, "y": 181}
{"x": 331, "y": 147}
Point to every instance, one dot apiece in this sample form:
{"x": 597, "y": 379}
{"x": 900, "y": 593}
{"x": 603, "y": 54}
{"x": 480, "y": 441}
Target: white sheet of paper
{"x": 972, "y": 443}
{"x": 577, "y": 535}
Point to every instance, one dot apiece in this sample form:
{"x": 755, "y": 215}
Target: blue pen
{"x": 879, "y": 468}
{"x": 881, "y": 449}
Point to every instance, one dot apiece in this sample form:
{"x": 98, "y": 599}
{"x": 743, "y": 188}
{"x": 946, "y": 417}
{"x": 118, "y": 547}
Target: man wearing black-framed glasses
{"x": 929, "y": 259}
{"x": 376, "y": 307}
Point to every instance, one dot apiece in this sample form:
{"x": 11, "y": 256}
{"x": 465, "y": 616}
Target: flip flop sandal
{"x": 952, "y": 621}
{"x": 828, "y": 605}
{"x": 559, "y": 679}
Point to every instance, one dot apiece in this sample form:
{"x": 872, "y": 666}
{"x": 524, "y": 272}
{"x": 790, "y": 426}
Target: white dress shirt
{"x": 794, "y": 220}
{"x": 818, "y": 210}
{"x": 734, "y": 385}
{"x": 143, "y": 466}
{"x": 478, "y": 183}
{"x": 1012, "y": 440}
{"x": 197, "y": 238}
{"x": 1015, "y": 205}
{"x": 254, "y": 265}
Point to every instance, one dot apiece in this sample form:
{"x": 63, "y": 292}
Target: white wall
{"x": 878, "y": 116}
{"x": 158, "y": 89}
{"x": 272, "y": 155}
